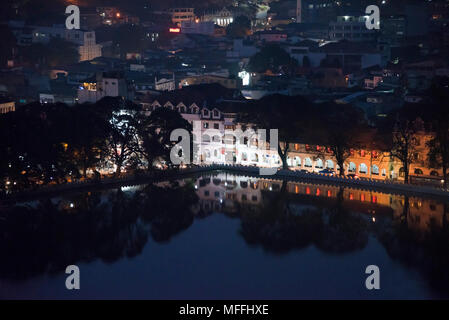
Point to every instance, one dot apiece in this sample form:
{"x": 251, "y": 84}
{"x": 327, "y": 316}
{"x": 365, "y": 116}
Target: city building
{"x": 351, "y": 28}
{"x": 165, "y": 83}
{"x": 105, "y": 84}
{"x": 7, "y": 105}
{"x": 210, "y": 78}
{"x": 178, "y": 15}
{"x": 222, "y": 17}
{"x": 198, "y": 27}
{"x": 85, "y": 40}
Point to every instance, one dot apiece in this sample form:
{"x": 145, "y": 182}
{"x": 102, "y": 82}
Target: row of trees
{"x": 48, "y": 143}
{"x": 404, "y": 128}
{"x": 343, "y": 128}
{"x": 45, "y": 143}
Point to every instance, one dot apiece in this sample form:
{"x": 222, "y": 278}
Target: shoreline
{"x": 289, "y": 175}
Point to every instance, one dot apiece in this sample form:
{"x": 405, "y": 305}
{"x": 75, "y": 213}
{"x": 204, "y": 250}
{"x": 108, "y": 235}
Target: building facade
{"x": 106, "y": 84}
{"x": 7, "y": 105}
{"x": 179, "y": 15}
{"x": 220, "y": 140}
{"x": 350, "y": 28}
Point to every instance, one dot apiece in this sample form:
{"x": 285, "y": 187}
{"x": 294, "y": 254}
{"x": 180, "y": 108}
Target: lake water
{"x": 224, "y": 236}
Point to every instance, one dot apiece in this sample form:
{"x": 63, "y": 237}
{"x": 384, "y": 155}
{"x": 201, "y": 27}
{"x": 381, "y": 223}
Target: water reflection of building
{"x": 228, "y": 193}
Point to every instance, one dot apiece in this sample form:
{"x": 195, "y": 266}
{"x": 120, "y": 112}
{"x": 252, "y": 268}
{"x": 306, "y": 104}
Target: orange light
{"x": 117, "y": 14}
{"x": 174, "y": 30}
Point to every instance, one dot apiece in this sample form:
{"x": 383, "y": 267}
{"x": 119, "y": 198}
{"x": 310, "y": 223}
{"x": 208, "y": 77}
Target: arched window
{"x": 434, "y": 173}
{"x": 363, "y": 168}
{"x": 329, "y": 164}
{"x": 384, "y": 172}
{"x": 375, "y": 170}
{"x": 402, "y": 172}
{"x": 206, "y": 138}
{"x": 352, "y": 167}
{"x": 319, "y": 164}
{"x": 307, "y": 163}
{"x": 297, "y": 162}
{"x": 244, "y": 156}
{"x": 418, "y": 171}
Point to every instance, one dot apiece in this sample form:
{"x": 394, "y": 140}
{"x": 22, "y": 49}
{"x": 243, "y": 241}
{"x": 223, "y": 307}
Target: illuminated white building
{"x": 223, "y": 18}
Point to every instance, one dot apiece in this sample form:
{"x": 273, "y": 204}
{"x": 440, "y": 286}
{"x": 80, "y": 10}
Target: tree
{"x": 239, "y": 28}
{"x": 285, "y": 113}
{"x": 86, "y": 140}
{"x": 56, "y": 52}
{"x": 274, "y": 58}
{"x": 32, "y": 145}
{"x": 404, "y": 144}
{"x": 154, "y": 133}
{"x": 130, "y": 38}
{"x": 343, "y": 125}
{"x": 122, "y": 141}
{"x": 439, "y": 144}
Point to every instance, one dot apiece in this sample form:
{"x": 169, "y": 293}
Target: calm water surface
{"x": 223, "y": 236}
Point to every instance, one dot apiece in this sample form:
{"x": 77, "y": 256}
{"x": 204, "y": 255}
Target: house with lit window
{"x": 104, "y": 84}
